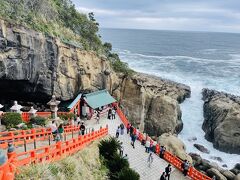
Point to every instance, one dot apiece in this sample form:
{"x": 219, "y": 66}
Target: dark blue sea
{"x": 198, "y": 59}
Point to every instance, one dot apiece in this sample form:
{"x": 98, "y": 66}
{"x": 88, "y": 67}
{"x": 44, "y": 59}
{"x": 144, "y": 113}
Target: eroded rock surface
{"x": 222, "y": 120}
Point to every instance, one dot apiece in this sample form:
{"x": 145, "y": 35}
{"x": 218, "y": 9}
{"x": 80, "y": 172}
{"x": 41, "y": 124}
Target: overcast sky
{"x": 196, "y": 15}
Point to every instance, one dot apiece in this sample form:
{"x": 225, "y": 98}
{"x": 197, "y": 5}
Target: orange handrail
{"x": 47, "y": 153}
{"x": 192, "y": 173}
{"x": 18, "y": 137}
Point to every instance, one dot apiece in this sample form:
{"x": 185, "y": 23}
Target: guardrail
{"x": 175, "y": 161}
{"x": 20, "y": 137}
{"x": 47, "y": 153}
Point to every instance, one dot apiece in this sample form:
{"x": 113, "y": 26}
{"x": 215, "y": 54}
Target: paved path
{"x": 137, "y": 157}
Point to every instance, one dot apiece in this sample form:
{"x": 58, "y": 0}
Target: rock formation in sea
{"x": 222, "y": 120}
{"x": 34, "y": 66}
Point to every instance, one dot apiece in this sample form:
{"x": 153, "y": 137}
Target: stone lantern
{"x": 53, "y": 103}
{"x": 16, "y": 107}
{"x": 32, "y": 112}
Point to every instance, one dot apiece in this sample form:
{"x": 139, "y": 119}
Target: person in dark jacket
{"x": 162, "y": 151}
{"x": 131, "y": 130}
{"x": 82, "y": 129}
{"x": 168, "y": 171}
{"x": 110, "y": 114}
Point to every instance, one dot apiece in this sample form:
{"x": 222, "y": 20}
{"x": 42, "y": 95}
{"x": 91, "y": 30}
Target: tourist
{"x": 60, "y": 131}
{"x": 121, "y": 150}
{"x": 137, "y": 132}
{"x": 53, "y": 129}
{"x": 147, "y": 145}
{"x": 109, "y": 113}
{"x": 122, "y": 128}
{"x": 78, "y": 121}
{"x": 131, "y": 130}
{"x": 168, "y": 171}
{"x": 98, "y": 117}
{"x": 162, "y": 151}
{"x": 113, "y": 113}
{"x": 82, "y": 129}
{"x": 128, "y": 127}
{"x": 150, "y": 160}
{"x": 133, "y": 139}
{"x": 185, "y": 166}
{"x": 117, "y": 131}
{"x": 163, "y": 176}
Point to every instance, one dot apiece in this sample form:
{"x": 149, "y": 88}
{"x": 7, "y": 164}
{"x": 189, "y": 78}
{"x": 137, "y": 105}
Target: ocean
{"x": 198, "y": 59}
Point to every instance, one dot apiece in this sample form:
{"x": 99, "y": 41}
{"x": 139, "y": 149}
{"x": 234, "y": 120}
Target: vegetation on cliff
{"x": 60, "y": 18}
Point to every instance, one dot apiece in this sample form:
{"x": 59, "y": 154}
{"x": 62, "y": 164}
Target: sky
{"x": 187, "y": 15}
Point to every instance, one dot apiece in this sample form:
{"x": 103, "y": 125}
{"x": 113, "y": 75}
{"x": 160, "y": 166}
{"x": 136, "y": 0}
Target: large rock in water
{"x": 175, "y": 146}
{"x": 152, "y": 103}
{"x": 222, "y": 120}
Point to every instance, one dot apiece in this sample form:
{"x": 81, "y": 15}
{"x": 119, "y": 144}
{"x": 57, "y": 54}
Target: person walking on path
{"x": 128, "y": 127}
{"x": 98, "y": 117}
{"x": 125, "y": 157}
{"x": 122, "y": 128}
{"x": 131, "y": 130}
{"x": 117, "y": 132}
{"x": 185, "y": 166}
{"x": 162, "y": 151}
{"x": 113, "y": 113}
{"x": 121, "y": 150}
{"x": 150, "y": 160}
{"x": 168, "y": 171}
{"x": 110, "y": 114}
{"x": 53, "y": 129}
{"x": 163, "y": 176}
{"x": 60, "y": 131}
{"x": 133, "y": 139}
{"x": 82, "y": 129}
{"x": 147, "y": 145}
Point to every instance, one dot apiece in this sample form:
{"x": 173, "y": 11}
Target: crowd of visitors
{"x": 112, "y": 113}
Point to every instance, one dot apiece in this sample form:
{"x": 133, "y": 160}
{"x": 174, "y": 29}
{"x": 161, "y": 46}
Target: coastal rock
{"x": 222, "y": 120}
{"x": 237, "y": 177}
{"x": 201, "y": 148}
{"x": 216, "y": 158}
{"x": 151, "y": 103}
{"x": 228, "y": 174}
{"x": 236, "y": 169}
{"x": 175, "y": 146}
{"x": 214, "y": 172}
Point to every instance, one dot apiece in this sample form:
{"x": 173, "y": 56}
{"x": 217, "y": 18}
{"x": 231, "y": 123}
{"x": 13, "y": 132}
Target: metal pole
{"x": 25, "y": 145}
{"x": 72, "y": 134}
{"x": 34, "y": 143}
{"x": 65, "y": 137}
{"x": 49, "y": 140}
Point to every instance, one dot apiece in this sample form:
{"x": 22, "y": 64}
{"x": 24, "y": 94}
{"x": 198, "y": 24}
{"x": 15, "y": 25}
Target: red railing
{"x": 192, "y": 173}
{"x": 47, "y": 153}
{"x": 20, "y": 137}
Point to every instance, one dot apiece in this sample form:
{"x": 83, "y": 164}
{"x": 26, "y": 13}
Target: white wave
{"x": 220, "y": 74}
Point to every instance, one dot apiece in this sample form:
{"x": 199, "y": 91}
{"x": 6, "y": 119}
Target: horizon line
{"x": 175, "y": 30}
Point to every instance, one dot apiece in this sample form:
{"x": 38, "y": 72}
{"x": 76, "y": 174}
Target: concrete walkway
{"x": 138, "y": 157}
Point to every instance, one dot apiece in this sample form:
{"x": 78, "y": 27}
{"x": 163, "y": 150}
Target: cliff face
{"x": 222, "y": 120}
{"x": 33, "y": 67}
{"x": 152, "y": 103}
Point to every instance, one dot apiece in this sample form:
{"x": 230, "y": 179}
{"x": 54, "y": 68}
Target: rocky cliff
{"x": 34, "y": 66}
{"x": 222, "y": 120}
{"x": 151, "y": 103}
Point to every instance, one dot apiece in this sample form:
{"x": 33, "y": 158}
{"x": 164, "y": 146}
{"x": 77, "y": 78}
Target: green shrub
{"x": 116, "y": 164}
{"x": 128, "y": 174}
{"x": 122, "y": 67}
{"x": 67, "y": 116}
{"x": 108, "y": 147}
{"x": 38, "y": 120}
{"x": 11, "y": 119}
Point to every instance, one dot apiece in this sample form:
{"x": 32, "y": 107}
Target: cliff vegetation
{"x": 60, "y": 18}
